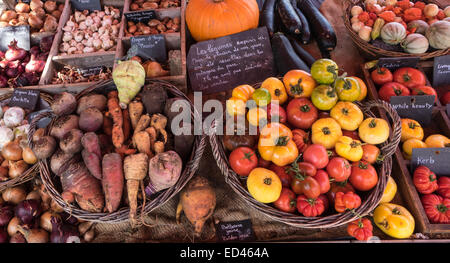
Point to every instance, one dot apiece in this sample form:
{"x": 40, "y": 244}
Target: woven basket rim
{"x": 379, "y": 52}
{"x": 373, "y": 197}
{"x": 122, "y": 215}
{"x": 31, "y": 172}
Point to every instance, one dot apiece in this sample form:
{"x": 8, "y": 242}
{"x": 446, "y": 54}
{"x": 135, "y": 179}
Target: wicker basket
{"x": 376, "y": 52}
{"x": 33, "y": 170}
{"x": 237, "y": 183}
{"x": 122, "y": 214}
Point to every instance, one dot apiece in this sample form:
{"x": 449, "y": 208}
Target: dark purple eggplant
{"x": 289, "y": 17}
{"x": 284, "y": 55}
{"x": 305, "y": 36}
{"x": 321, "y": 29}
{"x": 267, "y": 17}
{"x": 302, "y": 53}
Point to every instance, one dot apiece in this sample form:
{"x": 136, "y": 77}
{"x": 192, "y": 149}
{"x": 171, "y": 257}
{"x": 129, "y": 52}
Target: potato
{"x": 63, "y": 125}
{"x": 91, "y": 100}
{"x": 71, "y": 142}
{"x": 91, "y": 119}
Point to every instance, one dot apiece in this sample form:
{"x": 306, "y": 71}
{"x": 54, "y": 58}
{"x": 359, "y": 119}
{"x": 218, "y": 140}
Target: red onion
{"x": 4, "y": 63}
{"x": 36, "y": 64}
{"x": 2, "y": 54}
{"x": 3, "y": 236}
{"x": 6, "y": 214}
{"x": 28, "y": 210}
{"x": 69, "y": 218}
{"x": 13, "y": 69}
{"x": 3, "y": 81}
{"x": 17, "y": 238}
{"x": 63, "y": 233}
{"x": 14, "y": 52}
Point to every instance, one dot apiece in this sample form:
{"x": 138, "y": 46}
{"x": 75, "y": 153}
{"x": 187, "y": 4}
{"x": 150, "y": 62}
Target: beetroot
{"x": 164, "y": 170}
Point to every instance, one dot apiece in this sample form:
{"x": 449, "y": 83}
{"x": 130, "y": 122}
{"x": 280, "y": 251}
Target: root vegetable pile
{"x": 154, "y": 26}
{"x": 70, "y": 74}
{"x": 153, "y": 4}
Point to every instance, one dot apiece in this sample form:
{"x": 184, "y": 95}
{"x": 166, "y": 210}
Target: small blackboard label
{"x": 90, "y": 71}
{"x": 90, "y": 5}
{"x": 24, "y": 98}
{"x": 42, "y": 123}
{"x": 395, "y": 63}
{"x": 418, "y": 108}
{"x": 235, "y": 231}
{"x": 441, "y": 71}
{"x": 19, "y": 33}
{"x": 436, "y": 159}
{"x": 150, "y": 47}
{"x": 141, "y": 16}
{"x": 226, "y": 62}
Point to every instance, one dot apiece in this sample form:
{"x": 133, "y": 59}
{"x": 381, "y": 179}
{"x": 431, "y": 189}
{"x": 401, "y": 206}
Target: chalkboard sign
{"x": 19, "y": 33}
{"x": 150, "y": 47}
{"x": 436, "y": 159}
{"x": 226, "y": 62}
{"x": 24, "y": 98}
{"x": 90, "y": 5}
{"x": 141, "y": 16}
{"x": 235, "y": 231}
{"x": 418, "y": 108}
{"x": 441, "y": 71}
{"x": 42, "y": 123}
{"x": 395, "y": 63}
{"x": 90, "y": 71}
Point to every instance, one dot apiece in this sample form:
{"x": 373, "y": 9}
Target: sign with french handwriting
{"x": 235, "y": 231}
{"x": 90, "y": 5}
{"x": 419, "y": 108}
{"x": 399, "y": 62}
{"x": 24, "y": 98}
{"x": 441, "y": 71}
{"x": 150, "y": 47}
{"x": 436, "y": 159}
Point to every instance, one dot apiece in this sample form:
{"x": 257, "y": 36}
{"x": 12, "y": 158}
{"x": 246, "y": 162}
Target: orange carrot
{"x": 115, "y": 112}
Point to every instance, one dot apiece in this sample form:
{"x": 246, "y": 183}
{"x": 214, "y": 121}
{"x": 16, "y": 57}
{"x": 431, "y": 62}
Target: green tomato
{"x": 261, "y": 97}
{"x": 347, "y": 89}
{"x": 324, "y": 71}
{"x": 324, "y": 97}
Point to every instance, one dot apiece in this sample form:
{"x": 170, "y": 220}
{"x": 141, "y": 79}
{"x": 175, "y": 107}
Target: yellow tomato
{"x": 363, "y": 87}
{"x": 349, "y": 149}
{"x": 326, "y": 132}
{"x": 411, "y": 129}
{"x": 348, "y": 115}
{"x": 437, "y": 141}
{"x": 243, "y": 92}
{"x": 235, "y": 106}
{"x": 275, "y": 144}
{"x": 409, "y": 145}
{"x": 347, "y": 89}
{"x": 299, "y": 83}
{"x": 389, "y": 191}
{"x": 394, "y": 220}
{"x": 276, "y": 89}
{"x": 264, "y": 185}
{"x": 374, "y": 130}
{"x": 257, "y": 116}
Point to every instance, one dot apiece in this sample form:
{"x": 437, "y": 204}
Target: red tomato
{"x": 307, "y": 186}
{"x": 371, "y": 153}
{"x": 301, "y": 113}
{"x": 410, "y": 77}
{"x": 339, "y": 169}
{"x": 317, "y": 155}
{"x": 361, "y": 229}
{"x": 381, "y": 76}
{"x": 307, "y": 169}
{"x": 243, "y": 160}
{"x": 436, "y": 208}
{"x": 344, "y": 201}
{"x": 445, "y": 99}
{"x": 364, "y": 177}
{"x": 352, "y": 134}
{"x": 425, "y": 180}
{"x": 339, "y": 187}
{"x": 392, "y": 89}
{"x": 301, "y": 139}
{"x": 424, "y": 90}
{"x": 276, "y": 113}
{"x": 286, "y": 202}
{"x": 323, "y": 180}
{"x": 310, "y": 207}
{"x": 281, "y": 171}
{"x": 444, "y": 186}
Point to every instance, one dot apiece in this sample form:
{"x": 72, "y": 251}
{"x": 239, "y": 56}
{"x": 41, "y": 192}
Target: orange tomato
{"x": 409, "y": 145}
{"x": 275, "y": 144}
{"x": 276, "y": 89}
{"x": 299, "y": 83}
{"x": 243, "y": 92}
{"x": 411, "y": 129}
{"x": 363, "y": 87}
{"x": 437, "y": 141}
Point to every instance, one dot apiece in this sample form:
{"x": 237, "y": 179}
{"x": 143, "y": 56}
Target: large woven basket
{"x": 372, "y": 199}
{"x": 122, "y": 214}
{"x": 33, "y": 170}
{"x": 376, "y": 52}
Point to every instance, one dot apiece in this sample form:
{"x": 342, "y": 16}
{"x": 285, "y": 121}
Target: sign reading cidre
{"x": 226, "y": 62}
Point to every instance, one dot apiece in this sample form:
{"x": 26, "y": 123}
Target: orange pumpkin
{"x": 208, "y": 19}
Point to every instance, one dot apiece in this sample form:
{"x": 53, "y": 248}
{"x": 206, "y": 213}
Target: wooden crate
{"x": 401, "y": 166}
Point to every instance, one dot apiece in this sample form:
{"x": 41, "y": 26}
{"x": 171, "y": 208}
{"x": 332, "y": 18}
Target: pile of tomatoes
{"x": 435, "y": 194}
{"x": 314, "y": 152}
{"x": 404, "y": 81}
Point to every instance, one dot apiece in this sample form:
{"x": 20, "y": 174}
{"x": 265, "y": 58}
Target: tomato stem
{"x": 326, "y": 131}
{"x": 268, "y": 181}
{"x": 441, "y": 208}
{"x": 282, "y": 141}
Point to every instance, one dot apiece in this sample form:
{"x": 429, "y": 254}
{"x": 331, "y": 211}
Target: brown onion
{"x": 12, "y": 226}
{"x": 55, "y": 207}
{"x": 33, "y": 195}
{"x": 38, "y": 134}
{"x": 34, "y": 4}
{"x": 16, "y": 169}
{"x": 40, "y": 12}
{"x": 8, "y": 15}
{"x": 14, "y": 195}
{"x": 56, "y": 14}
{"x": 3, "y": 174}
{"x": 28, "y": 156}
{"x": 35, "y": 22}
{"x": 45, "y": 220}
{"x": 12, "y": 151}
{"x": 34, "y": 235}
{"x": 22, "y": 8}
{"x": 50, "y": 6}
{"x": 44, "y": 147}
